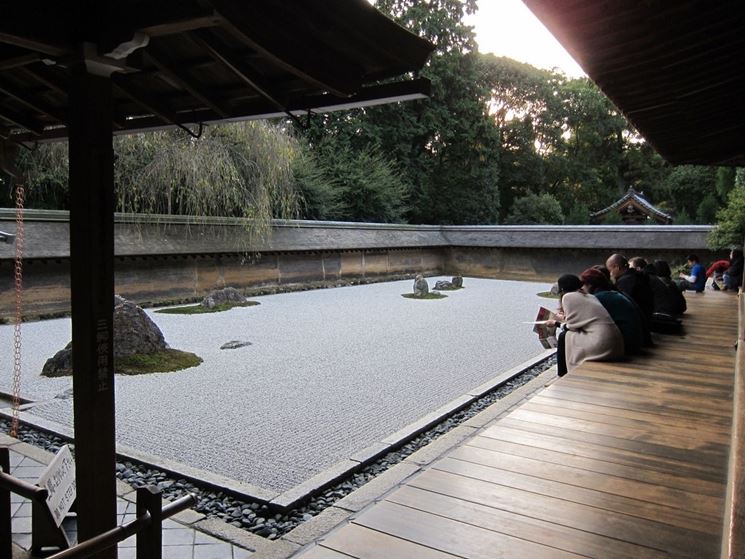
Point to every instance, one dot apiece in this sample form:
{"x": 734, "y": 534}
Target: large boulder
{"x": 134, "y": 333}
{"x": 421, "y": 287}
{"x": 227, "y": 296}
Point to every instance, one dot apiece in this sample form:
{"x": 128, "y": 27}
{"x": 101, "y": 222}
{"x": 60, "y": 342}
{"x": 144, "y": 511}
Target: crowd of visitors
{"x": 610, "y": 311}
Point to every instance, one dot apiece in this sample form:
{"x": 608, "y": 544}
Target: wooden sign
{"x": 59, "y": 481}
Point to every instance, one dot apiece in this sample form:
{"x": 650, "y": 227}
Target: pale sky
{"x": 509, "y": 28}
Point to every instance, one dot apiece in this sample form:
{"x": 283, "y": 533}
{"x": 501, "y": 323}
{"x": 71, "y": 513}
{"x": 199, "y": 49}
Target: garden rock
{"x": 234, "y": 344}
{"x": 421, "y": 287}
{"x": 134, "y": 333}
{"x": 229, "y": 295}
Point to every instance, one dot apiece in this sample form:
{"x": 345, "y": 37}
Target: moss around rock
{"x": 165, "y": 361}
{"x": 430, "y": 295}
{"x": 199, "y": 309}
{"x": 548, "y": 295}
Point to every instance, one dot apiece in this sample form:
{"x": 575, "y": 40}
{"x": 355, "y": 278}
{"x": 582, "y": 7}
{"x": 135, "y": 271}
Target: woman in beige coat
{"x": 590, "y": 333}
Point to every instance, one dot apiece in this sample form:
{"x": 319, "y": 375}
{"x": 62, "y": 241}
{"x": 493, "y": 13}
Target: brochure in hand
{"x": 546, "y": 333}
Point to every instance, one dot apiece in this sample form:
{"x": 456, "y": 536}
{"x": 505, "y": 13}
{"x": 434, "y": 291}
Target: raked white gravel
{"x": 329, "y": 372}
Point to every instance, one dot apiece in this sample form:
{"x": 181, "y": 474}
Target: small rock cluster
{"x": 259, "y": 518}
{"x": 444, "y": 285}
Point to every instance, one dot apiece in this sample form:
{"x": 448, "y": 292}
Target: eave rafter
{"x": 34, "y": 104}
{"x": 183, "y": 82}
{"x": 238, "y": 68}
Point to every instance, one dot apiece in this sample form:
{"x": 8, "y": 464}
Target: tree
{"x": 367, "y": 186}
{"x": 534, "y": 209}
{"x": 730, "y": 230}
{"x": 706, "y": 211}
{"x": 579, "y": 214}
{"x": 235, "y": 170}
{"x": 445, "y": 148}
{"x": 684, "y": 188}
{"x": 44, "y": 172}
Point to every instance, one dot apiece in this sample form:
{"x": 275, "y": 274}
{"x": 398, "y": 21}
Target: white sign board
{"x": 59, "y": 481}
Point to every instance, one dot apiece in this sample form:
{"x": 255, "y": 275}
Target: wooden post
{"x": 6, "y": 536}
{"x": 92, "y": 297}
{"x": 150, "y": 539}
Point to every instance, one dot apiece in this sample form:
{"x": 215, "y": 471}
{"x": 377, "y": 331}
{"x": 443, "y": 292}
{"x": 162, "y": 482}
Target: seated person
{"x": 636, "y": 287}
{"x": 666, "y": 301}
{"x": 716, "y": 272}
{"x": 589, "y": 332}
{"x": 620, "y": 308}
{"x": 662, "y": 269}
{"x": 732, "y": 276}
{"x": 696, "y": 280}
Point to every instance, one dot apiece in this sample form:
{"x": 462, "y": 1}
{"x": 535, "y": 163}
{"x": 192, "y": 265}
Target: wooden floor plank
{"x": 592, "y": 479}
{"x": 641, "y": 509}
{"x": 722, "y": 427}
{"x": 685, "y": 480}
{"x": 364, "y": 543}
{"x": 588, "y": 397}
{"x": 680, "y": 543}
{"x": 670, "y": 406}
{"x": 710, "y": 456}
{"x": 524, "y": 527}
{"x": 587, "y": 449}
{"x": 638, "y": 431}
{"x": 450, "y": 536}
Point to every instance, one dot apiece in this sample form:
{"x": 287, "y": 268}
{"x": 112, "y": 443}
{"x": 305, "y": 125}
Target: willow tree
{"x": 241, "y": 170}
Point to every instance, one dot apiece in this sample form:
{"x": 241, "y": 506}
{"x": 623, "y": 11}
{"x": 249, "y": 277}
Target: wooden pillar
{"x": 92, "y": 298}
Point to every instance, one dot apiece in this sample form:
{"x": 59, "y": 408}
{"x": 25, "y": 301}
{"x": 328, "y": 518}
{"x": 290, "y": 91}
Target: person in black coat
{"x": 662, "y": 269}
{"x": 733, "y": 274}
{"x": 632, "y": 283}
{"x": 636, "y": 287}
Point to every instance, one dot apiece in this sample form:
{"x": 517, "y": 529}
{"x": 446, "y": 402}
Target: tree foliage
{"x": 494, "y": 133}
{"x": 536, "y": 209}
{"x": 730, "y": 230}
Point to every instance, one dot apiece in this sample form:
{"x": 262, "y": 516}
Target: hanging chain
{"x": 20, "y": 196}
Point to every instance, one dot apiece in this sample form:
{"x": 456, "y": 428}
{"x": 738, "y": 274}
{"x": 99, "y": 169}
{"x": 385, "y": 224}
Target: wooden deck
{"x": 616, "y": 460}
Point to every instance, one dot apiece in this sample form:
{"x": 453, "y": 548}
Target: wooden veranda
{"x": 615, "y": 460}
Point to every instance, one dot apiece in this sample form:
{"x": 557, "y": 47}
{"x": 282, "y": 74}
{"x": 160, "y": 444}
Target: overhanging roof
{"x": 674, "y": 68}
{"x": 201, "y": 61}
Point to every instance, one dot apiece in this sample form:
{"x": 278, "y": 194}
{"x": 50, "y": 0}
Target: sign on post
{"x": 59, "y": 481}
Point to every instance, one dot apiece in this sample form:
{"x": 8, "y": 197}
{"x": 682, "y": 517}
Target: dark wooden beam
{"x": 92, "y": 301}
{"x": 182, "y": 81}
{"x": 19, "y": 61}
{"x": 22, "y": 120}
{"x": 34, "y": 104}
{"x": 45, "y": 76}
{"x": 181, "y": 25}
{"x": 34, "y": 44}
{"x": 145, "y": 100}
{"x": 241, "y": 70}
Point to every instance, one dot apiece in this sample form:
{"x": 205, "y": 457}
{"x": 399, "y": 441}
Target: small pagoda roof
{"x": 632, "y": 206}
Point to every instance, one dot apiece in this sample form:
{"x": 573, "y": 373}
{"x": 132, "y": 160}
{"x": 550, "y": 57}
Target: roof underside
{"x": 204, "y": 60}
{"x": 674, "y": 68}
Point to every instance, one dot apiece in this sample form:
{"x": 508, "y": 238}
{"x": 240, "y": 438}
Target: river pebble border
{"x": 258, "y": 518}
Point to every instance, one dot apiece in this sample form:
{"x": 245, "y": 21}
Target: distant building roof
{"x": 633, "y": 208}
